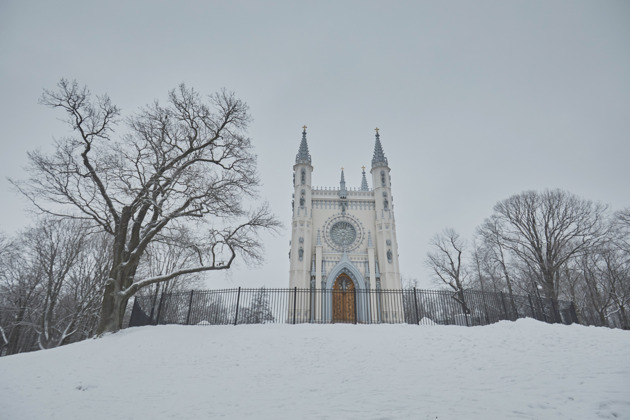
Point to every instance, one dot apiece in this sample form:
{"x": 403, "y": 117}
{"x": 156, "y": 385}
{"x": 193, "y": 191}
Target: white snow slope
{"x": 510, "y": 370}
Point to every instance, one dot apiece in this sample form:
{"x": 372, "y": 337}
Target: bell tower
{"x": 302, "y": 229}
{"x": 385, "y": 235}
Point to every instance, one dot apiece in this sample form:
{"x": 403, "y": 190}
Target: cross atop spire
{"x": 379, "y": 158}
{"x": 303, "y": 155}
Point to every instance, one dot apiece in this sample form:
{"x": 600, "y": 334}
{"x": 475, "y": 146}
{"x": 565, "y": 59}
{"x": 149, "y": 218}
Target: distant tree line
{"x": 52, "y": 277}
{"x": 549, "y": 243}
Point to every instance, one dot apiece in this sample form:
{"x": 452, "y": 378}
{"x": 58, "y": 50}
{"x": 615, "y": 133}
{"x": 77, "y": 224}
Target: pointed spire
{"x": 364, "y": 184}
{"x": 303, "y": 156}
{"x": 379, "y": 158}
{"x": 343, "y": 193}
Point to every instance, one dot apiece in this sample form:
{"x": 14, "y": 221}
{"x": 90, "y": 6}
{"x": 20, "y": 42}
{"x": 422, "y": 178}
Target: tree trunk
{"x": 112, "y": 310}
{"x": 508, "y": 282}
{"x": 624, "y": 318}
{"x": 120, "y": 277}
{"x": 114, "y": 303}
{"x": 602, "y": 317}
{"x": 14, "y": 335}
{"x": 548, "y": 284}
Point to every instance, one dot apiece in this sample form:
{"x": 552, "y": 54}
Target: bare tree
{"x": 51, "y": 284}
{"x": 446, "y": 262}
{"x": 482, "y": 268}
{"x": 80, "y": 304}
{"x": 488, "y": 275}
{"x": 20, "y": 286}
{"x": 491, "y": 235}
{"x": 54, "y": 247}
{"x": 545, "y": 230}
{"x": 617, "y": 263}
{"x": 4, "y": 312}
{"x": 595, "y": 295}
{"x": 621, "y": 230}
{"x": 188, "y": 162}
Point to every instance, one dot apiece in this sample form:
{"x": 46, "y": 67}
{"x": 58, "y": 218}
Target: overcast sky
{"x": 475, "y": 100}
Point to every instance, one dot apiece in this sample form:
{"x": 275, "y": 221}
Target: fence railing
{"x": 294, "y": 306}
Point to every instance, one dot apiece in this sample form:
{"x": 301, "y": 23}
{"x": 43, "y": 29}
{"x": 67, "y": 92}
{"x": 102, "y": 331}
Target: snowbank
{"x": 523, "y": 369}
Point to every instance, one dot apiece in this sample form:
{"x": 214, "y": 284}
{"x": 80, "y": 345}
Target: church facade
{"x": 343, "y": 243}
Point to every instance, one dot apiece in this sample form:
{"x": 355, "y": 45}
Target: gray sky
{"x": 476, "y": 101}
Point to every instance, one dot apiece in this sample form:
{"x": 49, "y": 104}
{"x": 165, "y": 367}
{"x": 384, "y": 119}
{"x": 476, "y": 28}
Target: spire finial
{"x": 379, "y": 158}
{"x": 304, "y": 127}
{"x": 343, "y": 192}
{"x": 364, "y": 184}
{"x": 303, "y": 156}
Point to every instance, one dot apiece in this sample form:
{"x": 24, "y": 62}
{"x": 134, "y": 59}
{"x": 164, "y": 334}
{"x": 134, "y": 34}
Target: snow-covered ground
{"x": 510, "y": 370}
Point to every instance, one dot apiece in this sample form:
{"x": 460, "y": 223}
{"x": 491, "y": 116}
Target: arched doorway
{"x": 344, "y": 300}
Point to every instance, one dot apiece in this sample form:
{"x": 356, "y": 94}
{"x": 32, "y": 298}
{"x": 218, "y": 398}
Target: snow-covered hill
{"x": 521, "y": 370}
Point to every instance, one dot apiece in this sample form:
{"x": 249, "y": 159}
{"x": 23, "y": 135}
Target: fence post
{"x": 467, "y": 311}
{"x": 368, "y": 309}
{"x": 322, "y": 304}
{"x": 356, "y": 310}
{"x": 294, "y": 302}
{"x": 189, "y": 307}
{"x": 238, "y": 299}
{"x": 311, "y": 300}
{"x": 415, "y": 299}
{"x": 157, "y": 318}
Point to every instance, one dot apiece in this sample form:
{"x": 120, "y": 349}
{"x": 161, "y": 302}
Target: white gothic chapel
{"x": 343, "y": 243}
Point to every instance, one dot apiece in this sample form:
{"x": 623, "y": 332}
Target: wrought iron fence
{"x": 294, "y": 306}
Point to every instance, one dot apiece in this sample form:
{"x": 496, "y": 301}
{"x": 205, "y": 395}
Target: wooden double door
{"x": 344, "y": 300}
